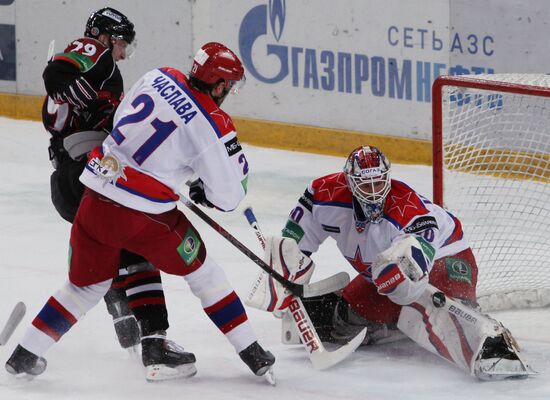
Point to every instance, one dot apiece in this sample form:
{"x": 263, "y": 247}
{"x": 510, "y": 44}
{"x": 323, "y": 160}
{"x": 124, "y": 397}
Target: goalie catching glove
{"x": 284, "y": 256}
{"x": 401, "y": 272}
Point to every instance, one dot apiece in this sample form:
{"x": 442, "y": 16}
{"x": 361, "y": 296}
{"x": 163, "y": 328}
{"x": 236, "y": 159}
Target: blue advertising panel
{"x": 7, "y": 52}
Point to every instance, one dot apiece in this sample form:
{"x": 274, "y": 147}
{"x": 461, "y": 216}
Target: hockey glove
{"x": 196, "y": 193}
{"x": 79, "y": 93}
{"x": 285, "y": 257}
{"x": 401, "y": 272}
{"x": 102, "y": 111}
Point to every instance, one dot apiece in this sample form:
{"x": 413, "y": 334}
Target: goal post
{"x": 491, "y": 167}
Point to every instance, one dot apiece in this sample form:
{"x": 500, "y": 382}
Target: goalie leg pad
{"x": 461, "y": 335}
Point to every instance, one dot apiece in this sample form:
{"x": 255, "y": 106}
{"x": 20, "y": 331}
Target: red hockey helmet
{"x": 213, "y": 62}
{"x": 367, "y": 171}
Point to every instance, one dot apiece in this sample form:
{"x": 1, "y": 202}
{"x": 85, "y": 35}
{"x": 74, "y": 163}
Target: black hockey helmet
{"x": 108, "y": 20}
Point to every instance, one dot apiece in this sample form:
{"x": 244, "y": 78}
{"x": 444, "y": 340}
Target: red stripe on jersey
{"x": 79, "y": 46}
{"x": 63, "y": 57}
{"x": 457, "y": 232}
{"x": 139, "y": 183}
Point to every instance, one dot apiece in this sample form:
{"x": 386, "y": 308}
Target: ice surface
{"x": 88, "y": 364}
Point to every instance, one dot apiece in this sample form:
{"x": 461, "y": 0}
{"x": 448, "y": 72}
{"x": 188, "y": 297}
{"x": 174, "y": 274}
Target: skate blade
{"x": 134, "y": 353}
{"x": 507, "y": 369}
{"x": 161, "y": 372}
{"x": 18, "y": 377}
{"x": 269, "y": 376}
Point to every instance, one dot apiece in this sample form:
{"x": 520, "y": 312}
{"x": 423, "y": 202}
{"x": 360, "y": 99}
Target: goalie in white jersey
{"x": 406, "y": 250}
{"x": 167, "y": 129}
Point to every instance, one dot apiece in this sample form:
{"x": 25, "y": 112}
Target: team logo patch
{"x": 109, "y": 168}
{"x": 293, "y": 230}
{"x": 458, "y": 270}
{"x": 421, "y": 224}
{"x": 233, "y": 146}
{"x": 360, "y": 226}
{"x": 189, "y": 247}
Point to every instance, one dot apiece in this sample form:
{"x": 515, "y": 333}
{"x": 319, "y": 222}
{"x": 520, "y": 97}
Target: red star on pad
{"x": 401, "y": 203}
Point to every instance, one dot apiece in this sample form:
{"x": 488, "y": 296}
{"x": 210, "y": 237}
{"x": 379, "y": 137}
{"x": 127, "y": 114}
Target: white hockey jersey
{"x": 164, "y": 133}
{"x": 326, "y": 210}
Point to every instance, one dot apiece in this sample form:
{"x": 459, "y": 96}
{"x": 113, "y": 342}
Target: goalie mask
{"x": 367, "y": 172}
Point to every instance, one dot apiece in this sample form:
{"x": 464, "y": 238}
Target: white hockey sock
{"x": 60, "y": 313}
{"x": 221, "y": 303}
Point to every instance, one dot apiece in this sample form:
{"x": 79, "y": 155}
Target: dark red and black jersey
{"x": 90, "y": 59}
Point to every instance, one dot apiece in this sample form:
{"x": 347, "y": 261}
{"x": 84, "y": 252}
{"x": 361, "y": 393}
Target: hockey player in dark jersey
{"x": 84, "y": 87}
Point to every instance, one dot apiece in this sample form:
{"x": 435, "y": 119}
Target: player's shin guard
{"x": 60, "y": 313}
{"x": 221, "y": 304}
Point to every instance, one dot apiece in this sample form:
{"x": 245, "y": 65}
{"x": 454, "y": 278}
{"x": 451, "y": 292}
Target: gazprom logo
{"x": 277, "y": 11}
{"x": 253, "y": 26}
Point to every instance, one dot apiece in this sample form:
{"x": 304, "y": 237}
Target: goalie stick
{"x": 12, "y": 323}
{"x": 320, "y": 357}
{"x": 327, "y": 285}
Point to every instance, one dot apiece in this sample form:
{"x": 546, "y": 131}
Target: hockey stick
{"x": 327, "y": 285}
{"x": 13, "y": 321}
{"x": 320, "y": 357}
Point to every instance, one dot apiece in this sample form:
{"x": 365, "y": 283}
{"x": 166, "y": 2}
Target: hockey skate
{"x": 259, "y": 361}
{"x": 164, "y": 360}
{"x": 347, "y": 324}
{"x": 24, "y": 363}
{"x": 500, "y": 359}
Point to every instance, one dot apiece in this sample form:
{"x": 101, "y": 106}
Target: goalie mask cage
{"x": 491, "y": 168}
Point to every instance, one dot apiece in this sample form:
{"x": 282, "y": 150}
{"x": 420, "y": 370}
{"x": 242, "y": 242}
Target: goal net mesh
{"x": 496, "y": 179}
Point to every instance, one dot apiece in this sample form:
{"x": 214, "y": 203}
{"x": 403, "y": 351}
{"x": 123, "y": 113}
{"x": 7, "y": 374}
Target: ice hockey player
{"x": 417, "y": 275}
{"x": 166, "y": 129}
{"x": 84, "y": 87}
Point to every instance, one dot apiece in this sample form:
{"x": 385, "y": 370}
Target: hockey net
{"x": 491, "y": 155}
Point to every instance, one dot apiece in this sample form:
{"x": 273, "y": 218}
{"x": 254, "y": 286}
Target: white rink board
{"x": 363, "y": 65}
